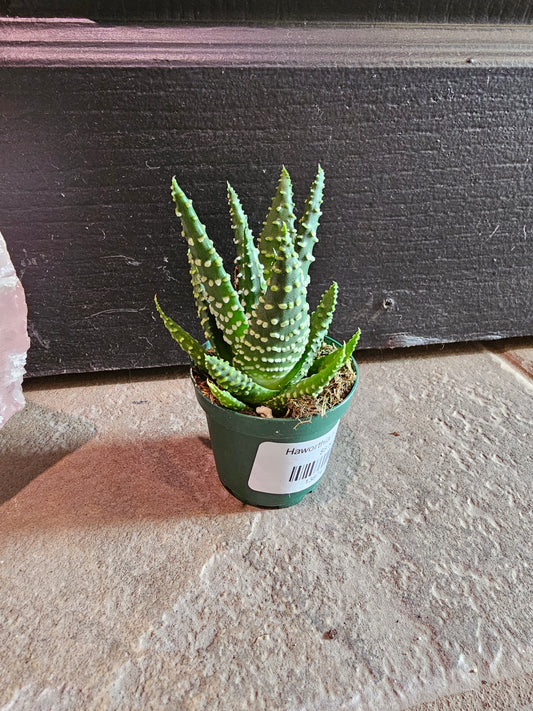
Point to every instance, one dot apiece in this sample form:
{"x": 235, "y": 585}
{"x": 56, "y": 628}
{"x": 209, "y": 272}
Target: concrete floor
{"x": 131, "y": 579}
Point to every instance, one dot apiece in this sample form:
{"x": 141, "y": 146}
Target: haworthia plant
{"x": 264, "y": 343}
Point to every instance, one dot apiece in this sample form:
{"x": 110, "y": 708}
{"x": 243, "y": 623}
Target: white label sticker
{"x": 284, "y": 468}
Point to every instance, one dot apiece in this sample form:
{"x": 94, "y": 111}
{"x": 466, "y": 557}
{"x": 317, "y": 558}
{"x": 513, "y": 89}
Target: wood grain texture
{"x": 427, "y": 214}
{"x": 481, "y": 11}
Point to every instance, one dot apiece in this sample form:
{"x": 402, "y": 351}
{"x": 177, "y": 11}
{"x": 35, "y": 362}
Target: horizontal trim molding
{"x": 83, "y": 43}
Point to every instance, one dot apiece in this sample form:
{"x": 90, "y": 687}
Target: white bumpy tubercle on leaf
{"x": 211, "y": 331}
{"x": 223, "y": 300}
{"x": 226, "y": 399}
{"x": 278, "y": 328}
{"x": 314, "y": 384}
{"x": 319, "y": 325}
{"x": 306, "y": 237}
{"x": 280, "y": 216}
{"x": 235, "y": 382}
{"x": 250, "y": 283}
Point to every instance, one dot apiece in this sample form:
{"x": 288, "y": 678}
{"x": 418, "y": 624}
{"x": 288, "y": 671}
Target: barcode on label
{"x": 304, "y": 471}
{"x": 286, "y": 467}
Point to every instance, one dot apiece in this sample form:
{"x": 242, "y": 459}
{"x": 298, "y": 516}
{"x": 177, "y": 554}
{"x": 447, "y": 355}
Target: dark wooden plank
{"x": 427, "y": 217}
{"x": 481, "y": 11}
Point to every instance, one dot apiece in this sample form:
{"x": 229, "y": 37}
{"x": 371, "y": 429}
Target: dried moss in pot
{"x": 305, "y": 406}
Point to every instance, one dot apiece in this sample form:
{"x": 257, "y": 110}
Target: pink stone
{"x": 14, "y": 341}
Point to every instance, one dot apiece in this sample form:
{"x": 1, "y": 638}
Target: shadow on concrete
{"x": 110, "y": 482}
{"x": 54, "y": 474}
{"x": 35, "y": 439}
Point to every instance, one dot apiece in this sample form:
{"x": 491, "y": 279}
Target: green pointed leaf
{"x": 250, "y": 282}
{"x": 212, "y": 332}
{"x": 189, "y": 344}
{"x": 314, "y": 384}
{"x": 311, "y": 386}
{"x": 226, "y": 399}
{"x": 322, "y": 362}
{"x": 278, "y": 328}
{"x": 222, "y": 298}
{"x": 236, "y": 382}
{"x": 281, "y": 213}
{"x": 319, "y": 325}
{"x": 306, "y": 237}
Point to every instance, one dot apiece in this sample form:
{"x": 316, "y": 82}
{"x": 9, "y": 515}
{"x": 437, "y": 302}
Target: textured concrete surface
{"x": 519, "y": 352}
{"x": 130, "y": 579}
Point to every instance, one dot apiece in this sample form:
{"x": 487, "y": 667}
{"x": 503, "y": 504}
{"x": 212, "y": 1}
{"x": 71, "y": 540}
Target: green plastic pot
{"x": 271, "y": 462}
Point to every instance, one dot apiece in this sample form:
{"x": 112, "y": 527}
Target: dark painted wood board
{"x": 274, "y": 10}
{"x": 427, "y": 214}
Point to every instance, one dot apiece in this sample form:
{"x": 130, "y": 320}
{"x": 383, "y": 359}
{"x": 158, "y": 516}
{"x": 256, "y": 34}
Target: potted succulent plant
{"x": 267, "y": 360}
